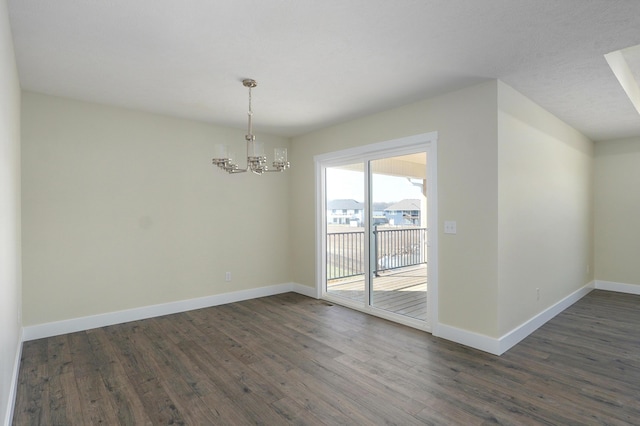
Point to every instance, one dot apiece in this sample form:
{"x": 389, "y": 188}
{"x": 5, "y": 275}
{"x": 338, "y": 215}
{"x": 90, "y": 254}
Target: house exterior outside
{"x": 345, "y": 212}
{"x": 351, "y": 212}
{"x": 405, "y": 212}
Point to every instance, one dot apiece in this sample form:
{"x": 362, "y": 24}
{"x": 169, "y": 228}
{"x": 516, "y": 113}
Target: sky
{"x": 347, "y": 184}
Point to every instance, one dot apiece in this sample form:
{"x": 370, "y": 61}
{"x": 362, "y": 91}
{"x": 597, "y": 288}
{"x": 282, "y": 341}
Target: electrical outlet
{"x": 227, "y": 276}
{"x": 450, "y": 227}
{"x": 537, "y": 294}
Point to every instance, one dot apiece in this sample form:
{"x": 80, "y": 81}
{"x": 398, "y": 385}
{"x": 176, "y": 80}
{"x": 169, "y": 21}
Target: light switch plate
{"x": 450, "y": 227}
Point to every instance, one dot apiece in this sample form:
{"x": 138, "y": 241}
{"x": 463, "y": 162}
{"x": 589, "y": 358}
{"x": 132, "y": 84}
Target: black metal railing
{"x": 394, "y": 248}
{"x": 345, "y": 254}
{"x": 399, "y": 248}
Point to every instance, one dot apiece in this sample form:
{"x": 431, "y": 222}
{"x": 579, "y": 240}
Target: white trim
{"x": 467, "y": 338}
{"x": 432, "y": 233}
{"x": 516, "y": 335}
{"x": 498, "y": 346}
{"x": 13, "y": 389}
{"x": 305, "y": 290}
{"x": 426, "y": 142}
{"x": 619, "y": 287}
{"x": 370, "y": 255}
{"x": 346, "y": 155}
{"x": 101, "y": 320}
{"x": 321, "y": 228}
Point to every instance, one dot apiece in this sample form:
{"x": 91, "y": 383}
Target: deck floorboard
{"x": 403, "y": 292}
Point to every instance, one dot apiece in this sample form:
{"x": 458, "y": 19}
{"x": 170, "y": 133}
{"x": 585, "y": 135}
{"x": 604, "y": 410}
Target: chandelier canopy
{"x": 256, "y": 161}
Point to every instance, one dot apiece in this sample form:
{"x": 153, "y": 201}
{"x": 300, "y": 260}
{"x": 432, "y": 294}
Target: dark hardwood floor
{"x": 289, "y": 359}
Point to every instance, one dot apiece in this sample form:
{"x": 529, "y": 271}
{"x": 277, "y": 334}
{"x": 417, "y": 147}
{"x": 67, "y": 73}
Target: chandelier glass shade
{"x": 256, "y": 160}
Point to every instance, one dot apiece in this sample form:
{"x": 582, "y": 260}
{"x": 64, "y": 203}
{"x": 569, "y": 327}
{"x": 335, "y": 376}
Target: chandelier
{"x": 256, "y": 161}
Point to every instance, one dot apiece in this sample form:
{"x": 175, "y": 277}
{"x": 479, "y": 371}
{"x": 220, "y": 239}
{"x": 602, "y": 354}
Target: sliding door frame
{"x": 425, "y": 142}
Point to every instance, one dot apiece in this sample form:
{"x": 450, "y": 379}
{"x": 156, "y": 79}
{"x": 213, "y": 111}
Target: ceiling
{"x": 319, "y": 63}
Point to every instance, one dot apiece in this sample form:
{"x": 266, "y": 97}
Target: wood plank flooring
{"x": 403, "y": 291}
{"x": 289, "y": 359}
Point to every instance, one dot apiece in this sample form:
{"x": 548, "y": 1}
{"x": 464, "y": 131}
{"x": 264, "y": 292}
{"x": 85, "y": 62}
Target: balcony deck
{"x": 403, "y": 291}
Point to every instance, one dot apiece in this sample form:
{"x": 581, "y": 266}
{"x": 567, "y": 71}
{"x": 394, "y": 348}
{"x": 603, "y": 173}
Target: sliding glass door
{"x": 398, "y": 211}
{"x": 345, "y": 242}
{"x": 375, "y": 232}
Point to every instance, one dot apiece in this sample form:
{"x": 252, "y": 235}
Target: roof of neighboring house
{"x": 345, "y": 205}
{"x": 408, "y": 204}
{"x": 380, "y": 205}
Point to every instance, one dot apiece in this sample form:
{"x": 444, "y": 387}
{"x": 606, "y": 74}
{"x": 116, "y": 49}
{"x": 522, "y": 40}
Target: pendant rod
{"x": 249, "y": 83}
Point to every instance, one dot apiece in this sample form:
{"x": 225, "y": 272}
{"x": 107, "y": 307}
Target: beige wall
{"x": 517, "y": 181}
{"x": 123, "y": 209}
{"x": 617, "y": 211}
{"x": 466, "y": 122}
{"x": 10, "y": 287}
{"x": 545, "y": 235}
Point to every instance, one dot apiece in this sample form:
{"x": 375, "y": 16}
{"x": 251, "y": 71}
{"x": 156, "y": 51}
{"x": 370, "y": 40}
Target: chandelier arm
{"x": 279, "y": 167}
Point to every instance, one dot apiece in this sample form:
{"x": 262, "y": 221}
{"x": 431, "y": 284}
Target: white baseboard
{"x": 11, "y": 400}
{"x": 305, "y": 290}
{"x": 467, "y": 338}
{"x": 619, "y": 287}
{"x": 516, "y": 335}
{"x": 498, "y": 346}
{"x": 101, "y": 320}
